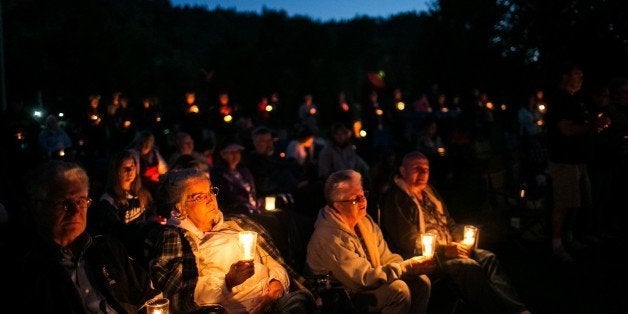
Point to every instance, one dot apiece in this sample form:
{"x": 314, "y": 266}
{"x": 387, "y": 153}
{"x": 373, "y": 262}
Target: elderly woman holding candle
{"x": 201, "y": 259}
{"x": 348, "y": 245}
{"x": 411, "y": 208}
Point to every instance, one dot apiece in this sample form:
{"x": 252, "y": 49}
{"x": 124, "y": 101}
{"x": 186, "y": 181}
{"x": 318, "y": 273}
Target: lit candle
{"x": 269, "y": 203}
{"x": 158, "y": 306}
{"x": 228, "y": 118}
{"x": 470, "y": 234}
{"x": 269, "y": 108}
{"x": 428, "y": 242}
{"x": 401, "y": 106}
{"x": 248, "y": 240}
{"x": 441, "y": 151}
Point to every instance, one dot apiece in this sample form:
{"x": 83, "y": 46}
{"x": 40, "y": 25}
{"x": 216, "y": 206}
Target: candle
{"x": 269, "y": 203}
{"x": 157, "y": 306}
{"x": 248, "y": 240}
{"x": 428, "y": 243}
{"x": 441, "y": 151}
{"x": 470, "y": 234}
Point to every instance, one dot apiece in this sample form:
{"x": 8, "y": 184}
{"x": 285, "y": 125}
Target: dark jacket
{"x": 41, "y": 284}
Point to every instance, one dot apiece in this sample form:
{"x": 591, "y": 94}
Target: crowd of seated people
{"x": 140, "y": 198}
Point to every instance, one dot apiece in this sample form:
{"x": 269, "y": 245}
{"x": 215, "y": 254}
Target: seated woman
{"x": 149, "y": 159}
{"x": 236, "y": 182}
{"x": 124, "y": 207}
{"x": 198, "y": 260}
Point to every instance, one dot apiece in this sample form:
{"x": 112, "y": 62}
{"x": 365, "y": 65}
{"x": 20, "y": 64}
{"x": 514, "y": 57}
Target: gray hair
{"x": 338, "y": 182}
{"x": 412, "y": 156}
{"x": 170, "y": 192}
{"x": 48, "y": 180}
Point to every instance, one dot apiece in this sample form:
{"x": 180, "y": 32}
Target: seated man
{"x": 411, "y": 207}
{"x": 200, "y": 263}
{"x": 349, "y": 246}
{"x": 59, "y": 268}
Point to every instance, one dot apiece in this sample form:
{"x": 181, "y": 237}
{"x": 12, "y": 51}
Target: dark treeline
{"x": 58, "y": 52}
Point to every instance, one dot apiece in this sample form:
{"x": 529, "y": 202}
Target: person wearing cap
{"x": 235, "y": 181}
{"x": 185, "y": 146}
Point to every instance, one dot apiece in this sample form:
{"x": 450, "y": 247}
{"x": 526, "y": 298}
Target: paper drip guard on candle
{"x": 428, "y": 244}
{"x": 248, "y": 242}
{"x": 269, "y": 203}
{"x": 470, "y": 236}
{"x": 157, "y": 306}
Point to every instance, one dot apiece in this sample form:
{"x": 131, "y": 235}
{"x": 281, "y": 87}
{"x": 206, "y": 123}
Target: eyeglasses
{"x": 203, "y": 197}
{"x": 356, "y": 199}
{"x": 70, "y": 204}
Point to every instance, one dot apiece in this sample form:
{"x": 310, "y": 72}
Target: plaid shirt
{"x": 174, "y": 269}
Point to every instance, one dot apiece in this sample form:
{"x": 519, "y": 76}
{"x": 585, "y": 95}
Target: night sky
{"x": 323, "y": 10}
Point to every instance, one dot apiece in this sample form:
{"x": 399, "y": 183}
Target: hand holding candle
{"x": 248, "y": 240}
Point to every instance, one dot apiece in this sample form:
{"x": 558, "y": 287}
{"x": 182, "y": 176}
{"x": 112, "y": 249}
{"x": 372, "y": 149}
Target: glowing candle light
{"x": 470, "y": 234}
{"x": 489, "y": 105}
{"x": 62, "y": 153}
{"x": 127, "y": 123}
{"x": 157, "y": 306}
{"x": 441, "y": 151}
{"x": 269, "y": 203}
{"x": 362, "y": 133}
{"x": 248, "y": 241}
{"x": 312, "y": 111}
{"x": 228, "y": 118}
{"x": 269, "y": 108}
{"x": 444, "y": 109}
{"x": 504, "y": 107}
{"x": 193, "y": 109}
{"x": 428, "y": 244}
{"x": 541, "y": 107}
{"x": 401, "y": 106}
{"x": 379, "y": 112}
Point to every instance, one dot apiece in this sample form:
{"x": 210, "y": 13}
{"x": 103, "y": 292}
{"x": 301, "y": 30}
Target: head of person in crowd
{"x": 415, "y": 171}
{"x": 340, "y": 135}
{"x": 188, "y": 194}
{"x": 123, "y": 181}
{"x": 231, "y": 154}
{"x": 571, "y": 77}
{"x": 263, "y": 141}
{"x": 144, "y": 142}
{"x": 344, "y": 193}
{"x": 184, "y": 143}
{"x": 52, "y": 123}
{"x": 58, "y": 194}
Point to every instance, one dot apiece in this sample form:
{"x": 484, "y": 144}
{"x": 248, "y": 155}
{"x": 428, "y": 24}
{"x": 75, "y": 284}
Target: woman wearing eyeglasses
{"x": 125, "y": 206}
{"x": 199, "y": 261}
{"x": 348, "y": 245}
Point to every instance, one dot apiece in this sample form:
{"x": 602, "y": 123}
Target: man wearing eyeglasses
{"x": 349, "y": 246}
{"x": 412, "y": 207}
{"x": 59, "y": 267}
